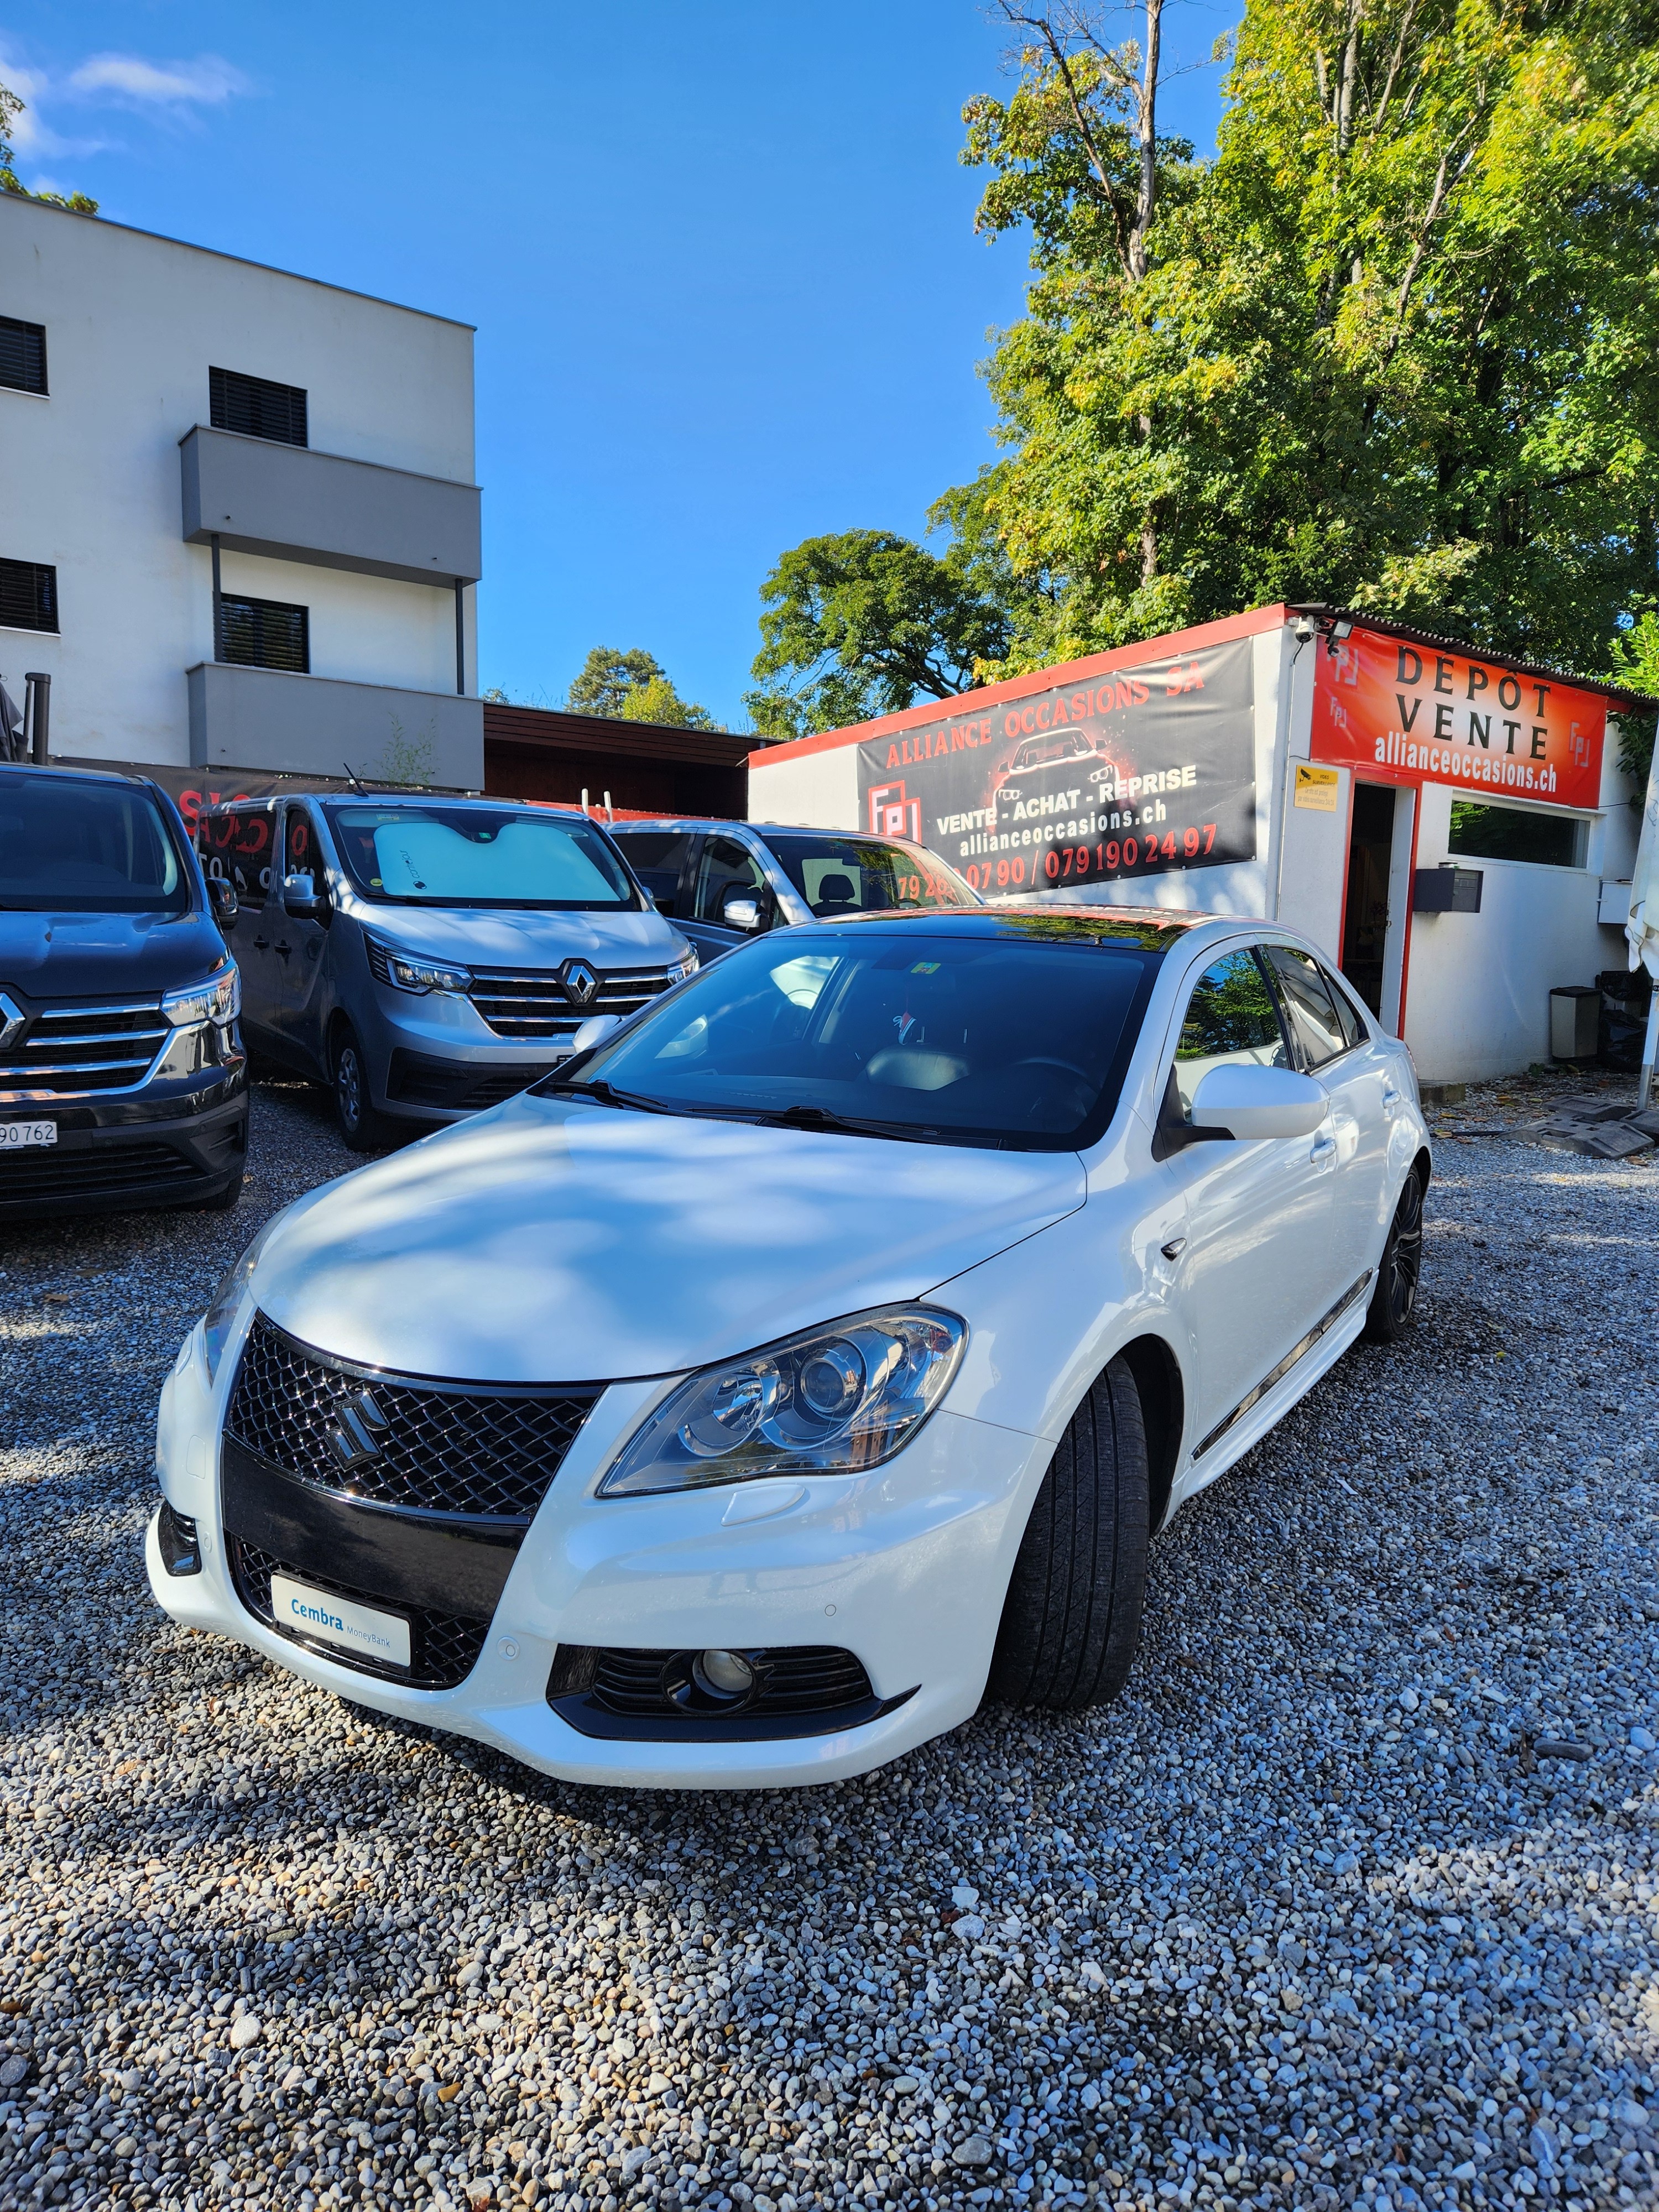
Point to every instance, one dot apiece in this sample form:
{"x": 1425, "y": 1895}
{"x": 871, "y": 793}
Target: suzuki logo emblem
{"x": 580, "y": 981}
{"x": 352, "y": 1435}
{"x": 11, "y": 1020}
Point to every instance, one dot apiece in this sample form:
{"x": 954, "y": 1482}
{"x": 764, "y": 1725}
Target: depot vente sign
{"x": 1412, "y": 714}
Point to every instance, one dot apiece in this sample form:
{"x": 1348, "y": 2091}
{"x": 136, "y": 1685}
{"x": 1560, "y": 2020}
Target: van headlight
{"x": 833, "y": 1400}
{"x": 411, "y": 973}
{"x": 218, "y": 1000}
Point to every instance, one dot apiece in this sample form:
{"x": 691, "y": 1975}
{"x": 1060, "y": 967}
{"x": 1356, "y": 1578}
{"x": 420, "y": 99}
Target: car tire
{"x": 1393, "y": 1300}
{"x": 363, "y": 1129}
{"x": 1071, "y": 1622}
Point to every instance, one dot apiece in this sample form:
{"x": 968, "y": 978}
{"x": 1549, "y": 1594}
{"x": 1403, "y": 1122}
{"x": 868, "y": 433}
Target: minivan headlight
{"x": 832, "y": 1401}
{"x": 221, "y": 1317}
{"x": 687, "y": 964}
{"x": 218, "y": 1000}
{"x": 411, "y": 973}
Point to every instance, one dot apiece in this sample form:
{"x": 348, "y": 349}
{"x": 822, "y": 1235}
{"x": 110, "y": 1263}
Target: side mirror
{"x": 742, "y": 911}
{"x": 1251, "y": 1103}
{"x": 594, "y": 1030}
{"x": 222, "y": 899}
{"x": 301, "y": 898}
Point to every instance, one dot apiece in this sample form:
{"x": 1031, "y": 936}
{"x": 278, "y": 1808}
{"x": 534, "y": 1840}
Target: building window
{"x": 264, "y": 634}
{"x": 28, "y": 595}
{"x": 22, "y": 356}
{"x": 1510, "y": 833}
{"x": 256, "y": 407}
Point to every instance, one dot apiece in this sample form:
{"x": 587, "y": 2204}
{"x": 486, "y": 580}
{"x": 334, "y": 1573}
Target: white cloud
{"x": 28, "y": 134}
{"x": 130, "y": 80}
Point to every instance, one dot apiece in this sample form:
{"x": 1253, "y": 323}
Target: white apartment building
{"x": 239, "y": 526}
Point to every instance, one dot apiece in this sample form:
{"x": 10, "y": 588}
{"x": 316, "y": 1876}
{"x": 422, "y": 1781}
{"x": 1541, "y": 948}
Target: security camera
{"x": 1304, "y": 630}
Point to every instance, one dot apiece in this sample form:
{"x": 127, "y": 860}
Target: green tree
{"x": 1393, "y": 347}
{"x": 10, "y": 108}
{"x": 633, "y": 687}
{"x": 858, "y": 623}
{"x": 1635, "y": 660}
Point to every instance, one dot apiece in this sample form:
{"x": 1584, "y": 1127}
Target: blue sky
{"x": 720, "y": 256}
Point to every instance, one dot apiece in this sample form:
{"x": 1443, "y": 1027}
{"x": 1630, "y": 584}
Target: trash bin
{"x": 1623, "y": 1017}
{"x": 1575, "y": 1018}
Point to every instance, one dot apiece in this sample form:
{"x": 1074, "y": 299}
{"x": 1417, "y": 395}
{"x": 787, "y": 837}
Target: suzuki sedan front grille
{"x": 482, "y": 1449}
{"x": 527, "y": 1005}
{"x": 69, "y": 1051}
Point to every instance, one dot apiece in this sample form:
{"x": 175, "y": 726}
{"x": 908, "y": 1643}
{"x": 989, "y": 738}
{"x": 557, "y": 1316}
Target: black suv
{"x": 123, "y": 1080}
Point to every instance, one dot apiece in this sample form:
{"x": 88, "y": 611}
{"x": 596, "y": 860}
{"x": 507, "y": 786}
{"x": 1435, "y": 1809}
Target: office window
{"x": 22, "y": 356}
{"x": 28, "y": 595}
{"x": 1510, "y": 833}
{"x": 266, "y": 633}
{"x": 256, "y": 407}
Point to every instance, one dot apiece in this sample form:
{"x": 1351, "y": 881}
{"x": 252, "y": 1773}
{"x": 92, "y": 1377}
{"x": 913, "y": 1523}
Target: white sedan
{"x": 809, "y": 1360}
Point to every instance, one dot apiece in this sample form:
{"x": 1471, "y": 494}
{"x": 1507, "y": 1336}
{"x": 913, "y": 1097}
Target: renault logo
{"x": 12, "y": 1020}
{"x": 580, "y": 981}
{"x": 353, "y": 1435}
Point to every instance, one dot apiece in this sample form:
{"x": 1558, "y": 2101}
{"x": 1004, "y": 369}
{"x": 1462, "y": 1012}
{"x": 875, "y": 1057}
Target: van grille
{"x": 516, "y": 1003}
{"x": 84, "y": 1171}
{"x": 67, "y": 1051}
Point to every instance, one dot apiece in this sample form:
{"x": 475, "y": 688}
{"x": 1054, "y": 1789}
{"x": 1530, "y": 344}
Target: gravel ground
{"x": 1317, "y": 1914}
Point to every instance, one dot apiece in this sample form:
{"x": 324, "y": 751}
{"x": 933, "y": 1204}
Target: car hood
{"x": 83, "y": 955}
{"x": 520, "y": 936}
{"x": 554, "y": 1241}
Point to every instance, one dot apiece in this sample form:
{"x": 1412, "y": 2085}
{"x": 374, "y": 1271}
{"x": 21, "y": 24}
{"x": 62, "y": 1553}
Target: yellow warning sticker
{"x": 1316, "y": 787}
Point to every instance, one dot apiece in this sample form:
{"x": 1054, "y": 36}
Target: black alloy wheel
{"x": 1393, "y": 1300}
{"x": 1071, "y": 1622}
{"x": 361, "y": 1128}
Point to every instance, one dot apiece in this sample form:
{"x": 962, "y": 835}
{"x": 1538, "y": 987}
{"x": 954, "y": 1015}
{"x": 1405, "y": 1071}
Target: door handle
{"x": 283, "y": 947}
{"x": 262, "y": 945}
{"x": 1390, "y": 1099}
{"x": 1323, "y": 1148}
{"x": 1174, "y": 1248}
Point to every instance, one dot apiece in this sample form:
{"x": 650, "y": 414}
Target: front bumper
{"x": 434, "y": 1060}
{"x": 169, "y": 1145}
{"x": 904, "y": 1568}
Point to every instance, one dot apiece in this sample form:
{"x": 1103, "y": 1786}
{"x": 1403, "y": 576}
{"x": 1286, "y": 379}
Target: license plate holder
{"x": 363, "y": 1631}
{"x": 18, "y": 1136}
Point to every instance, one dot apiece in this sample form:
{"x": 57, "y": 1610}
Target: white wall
{"x": 90, "y": 476}
{"x": 819, "y": 790}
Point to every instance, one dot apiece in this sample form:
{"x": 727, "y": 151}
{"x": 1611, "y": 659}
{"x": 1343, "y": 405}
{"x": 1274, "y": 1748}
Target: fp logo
{"x": 893, "y": 815}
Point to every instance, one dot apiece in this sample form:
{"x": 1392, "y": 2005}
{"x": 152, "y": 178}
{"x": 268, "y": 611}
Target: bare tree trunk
{"x": 1146, "y": 125}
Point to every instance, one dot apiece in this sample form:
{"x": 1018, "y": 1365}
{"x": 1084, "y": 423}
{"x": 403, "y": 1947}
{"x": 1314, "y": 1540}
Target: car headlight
{"x": 411, "y": 973}
{"x": 221, "y": 1317}
{"x": 832, "y": 1401}
{"x": 218, "y": 1000}
{"x": 687, "y": 964}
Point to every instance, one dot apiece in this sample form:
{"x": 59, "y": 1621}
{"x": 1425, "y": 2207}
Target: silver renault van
{"x": 428, "y": 956}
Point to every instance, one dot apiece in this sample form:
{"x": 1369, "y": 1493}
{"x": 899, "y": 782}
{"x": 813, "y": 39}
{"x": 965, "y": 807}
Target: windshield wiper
{"x": 824, "y": 1117}
{"x": 605, "y": 1095}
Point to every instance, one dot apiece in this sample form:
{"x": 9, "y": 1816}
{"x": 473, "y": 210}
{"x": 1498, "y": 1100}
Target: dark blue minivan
{"x": 123, "y": 1079}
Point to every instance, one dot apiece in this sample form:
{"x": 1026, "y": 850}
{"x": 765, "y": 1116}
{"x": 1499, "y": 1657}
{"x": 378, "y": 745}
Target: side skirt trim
{"x": 1278, "y": 1373}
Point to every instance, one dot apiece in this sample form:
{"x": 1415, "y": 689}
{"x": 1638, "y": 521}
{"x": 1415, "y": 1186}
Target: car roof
{"x": 75, "y": 775}
{"x": 393, "y": 798}
{"x": 1150, "y": 928}
{"x": 760, "y": 829}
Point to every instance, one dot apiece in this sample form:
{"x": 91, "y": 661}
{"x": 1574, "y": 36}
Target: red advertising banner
{"x": 1416, "y": 714}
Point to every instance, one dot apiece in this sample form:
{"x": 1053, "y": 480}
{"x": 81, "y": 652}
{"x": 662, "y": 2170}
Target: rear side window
{"x": 1310, "y": 1005}
{"x": 235, "y": 843}
{"x": 1230, "y": 1022}
{"x": 656, "y": 856}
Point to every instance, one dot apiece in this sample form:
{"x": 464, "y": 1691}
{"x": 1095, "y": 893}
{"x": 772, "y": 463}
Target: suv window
{"x": 1320, "y": 1032}
{"x": 234, "y": 842}
{"x": 837, "y": 875}
{"x": 1230, "y": 1021}
{"x": 656, "y": 856}
{"x": 726, "y": 866}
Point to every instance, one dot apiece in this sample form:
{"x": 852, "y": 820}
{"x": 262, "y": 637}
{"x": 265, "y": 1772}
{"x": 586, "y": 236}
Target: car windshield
{"x": 441, "y": 855}
{"x": 72, "y": 848}
{"x": 858, "y": 875}
{"x": 1018, "y": 1040}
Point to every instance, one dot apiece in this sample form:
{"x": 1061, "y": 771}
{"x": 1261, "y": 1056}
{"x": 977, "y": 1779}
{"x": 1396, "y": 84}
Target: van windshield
{"x": 72, "y": 848}
{"x": 441, "y": 855}
{"x": 1016, "y": 1040}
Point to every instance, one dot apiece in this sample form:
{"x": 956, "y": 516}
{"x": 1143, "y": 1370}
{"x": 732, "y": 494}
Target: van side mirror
{"x": 1250, "y": 1103}
{"x": 302, "y": 899}
{"x": 223, "y": 901}
{"x": 743, "y": 910}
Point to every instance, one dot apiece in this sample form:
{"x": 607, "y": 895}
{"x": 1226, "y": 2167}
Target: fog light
{"x": 724, "y": 1675}
{"x": 180, "y": 1547}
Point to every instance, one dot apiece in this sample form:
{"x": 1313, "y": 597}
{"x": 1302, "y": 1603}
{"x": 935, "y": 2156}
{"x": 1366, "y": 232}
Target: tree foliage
{"x": 633, "y": 687}
{"x": 1392, "y": 347}
{"x": 857, "y": 623}
{"x": 10, "y": 108}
